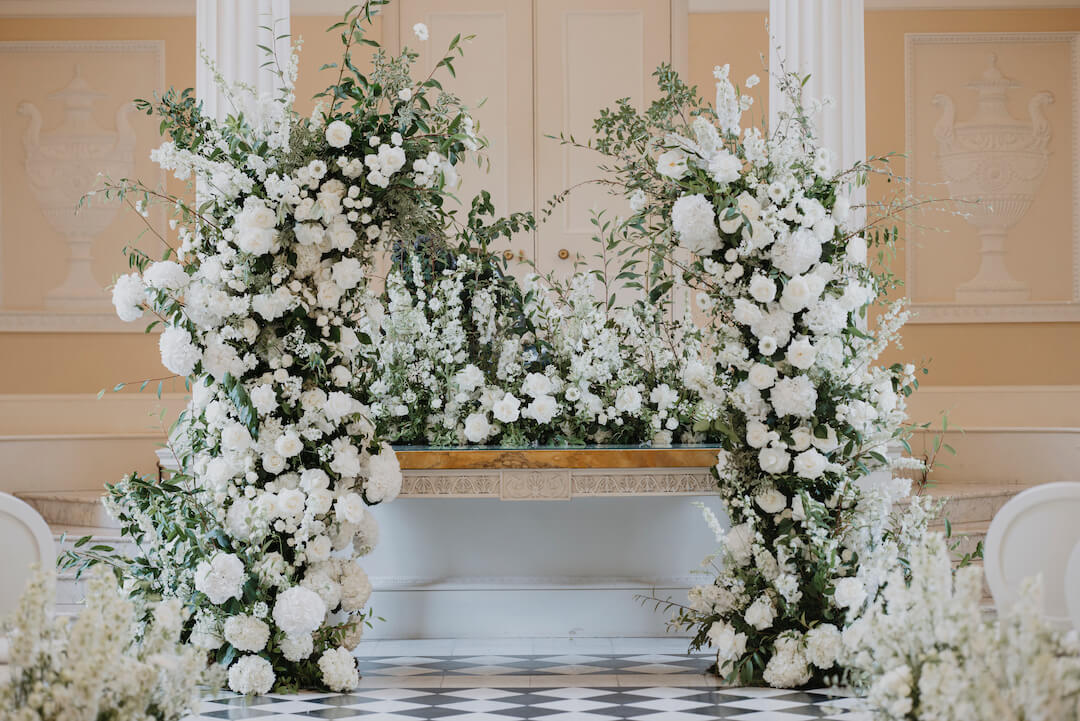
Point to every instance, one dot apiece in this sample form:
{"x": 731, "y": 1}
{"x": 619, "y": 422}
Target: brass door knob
{"x": 564, "y": 253}
{"x": 508, "y": 254}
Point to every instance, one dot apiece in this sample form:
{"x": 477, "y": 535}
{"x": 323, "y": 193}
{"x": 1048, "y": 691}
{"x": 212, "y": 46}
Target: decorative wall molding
{"x": 61, "y": 154}
{"x": 727, "y": 6}
{"x": 1012, "y": 308}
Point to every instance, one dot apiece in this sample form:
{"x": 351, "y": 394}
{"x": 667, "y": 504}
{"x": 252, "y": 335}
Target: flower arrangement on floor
{"x": 262, "y": 294}
{"x": 763, "y": 229}
{"x": 924, "y": 650}
{"x": 103, "y": 664}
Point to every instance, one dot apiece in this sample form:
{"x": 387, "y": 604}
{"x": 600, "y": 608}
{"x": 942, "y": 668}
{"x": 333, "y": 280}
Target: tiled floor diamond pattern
{"x": 455, "y": 689}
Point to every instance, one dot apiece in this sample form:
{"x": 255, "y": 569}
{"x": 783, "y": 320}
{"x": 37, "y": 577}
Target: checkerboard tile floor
{"x": 577, "y": 684}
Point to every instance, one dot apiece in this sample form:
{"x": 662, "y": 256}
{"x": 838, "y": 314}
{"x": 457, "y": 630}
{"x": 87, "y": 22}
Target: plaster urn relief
{"x": 991, "y": 125}
{"x": 62, "y": 165}
{"x": 66, "y": 116}
{"x": 995, "y": 163}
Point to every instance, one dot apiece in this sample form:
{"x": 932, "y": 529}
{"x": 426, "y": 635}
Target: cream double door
{"x": 541, "y": 68}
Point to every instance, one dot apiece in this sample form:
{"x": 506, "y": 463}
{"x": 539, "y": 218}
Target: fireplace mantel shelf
{"x": 548, "y": 474}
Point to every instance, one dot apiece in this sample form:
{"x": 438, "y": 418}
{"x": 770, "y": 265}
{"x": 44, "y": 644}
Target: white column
{"x": 231, "y": 31}
{"x": 824, "y": 38}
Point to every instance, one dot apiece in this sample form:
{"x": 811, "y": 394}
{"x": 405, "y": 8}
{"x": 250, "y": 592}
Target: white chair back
{"x": 25, "y": 539}
{"x": 1032, "y": 534}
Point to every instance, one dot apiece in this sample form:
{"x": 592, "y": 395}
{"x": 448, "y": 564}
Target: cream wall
{"x": 960, "y": 354}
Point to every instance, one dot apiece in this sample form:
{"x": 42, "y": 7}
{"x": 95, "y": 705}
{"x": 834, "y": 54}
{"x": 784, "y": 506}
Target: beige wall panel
{"x": 991, "y": 120}
{"x": 66, "y": 116}
{"x": 588, "y": 55}
{"x": 495, "y": 78}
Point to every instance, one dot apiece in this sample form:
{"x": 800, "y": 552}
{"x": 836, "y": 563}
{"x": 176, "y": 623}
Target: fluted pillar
{"x": 824, "y": 38}
{"x": 231, "y": 31}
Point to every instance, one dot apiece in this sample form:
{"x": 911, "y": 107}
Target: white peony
{"x": 693, "y": 219}
{"x": 291, "y": 502}
{"x": 235, "y": 438}
{"x": 725, "y": 167}
{"x": 757, "y": 434}
{"x": 299, "y": 611}
{"x": 347, "y": 273}
{"x": 221, "y": 578}
{"x": 797, "y": 295}
{"x": 288, "y": 444}
{"x": 128, "y": 295}
{"x": 338, "y": 405}
{"x": 338, "y": 134}
{"x": 178, "y": 353}
{"x": 264, "y": 398}
{"x": 672, "y": 164}
{"x": 251, "y": 675}
{"x": 246, "y": 633}
{"x": 795, "y": 396}
{"x": 338, "y": 669}
{"x": 537, "y": 384}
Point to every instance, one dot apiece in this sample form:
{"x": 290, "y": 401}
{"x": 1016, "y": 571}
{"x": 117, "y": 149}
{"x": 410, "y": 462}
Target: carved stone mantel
{"x": 549, "y": 474}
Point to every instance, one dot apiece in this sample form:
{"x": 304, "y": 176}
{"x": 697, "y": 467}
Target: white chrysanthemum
{"x": 338, "y": 669}
{"x": 251, "y": 675}
{"x": 693, "y": 218}
{"x": 299, "y": 611}
{"x": 246, "y": 633}
{"x": 128, "y": 295}
{"x": 221, "y": 578}
{"x": 178, "y": 353}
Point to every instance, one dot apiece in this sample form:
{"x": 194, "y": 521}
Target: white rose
{"x": 801, "y": 354}
{"x": 235, "y": 438}
{"x": 537, "y": 384}
{"x": 796, "y": 295}
{"x": 757, "y": 434}
{"x": 507, "y": 409}
{"x": 801, "y": 438}
{"x": 288, "y": 444}
{"x": 338, "y": 134}
{"x": 849, "y": 593}
{"x": 762, "y": 376}
{"x": 338, "y": 405}
{"x": 542, "y": 409}
{"x": 729, "y": 644}
{"x": 762, "y": 289}
{"x": 810, "y": 464}
{"x": 773, "y": 460}
{"x": 291, "y": 502}
{"x": 772, "y": 501}
{"x": 761, "y": 613}
{"x": 748, "y": 205}
{"x": 318, "y": 548}
{"x": 477, "y": 428}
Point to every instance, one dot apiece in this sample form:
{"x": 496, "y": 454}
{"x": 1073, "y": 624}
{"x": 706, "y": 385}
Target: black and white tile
{"x": 588, "y": 680}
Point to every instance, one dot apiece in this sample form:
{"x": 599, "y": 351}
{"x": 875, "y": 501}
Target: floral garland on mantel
{"x": 303, "y": 365}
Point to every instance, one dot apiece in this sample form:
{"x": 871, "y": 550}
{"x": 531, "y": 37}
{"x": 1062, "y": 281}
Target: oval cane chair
{"x": 1032, "y": 534}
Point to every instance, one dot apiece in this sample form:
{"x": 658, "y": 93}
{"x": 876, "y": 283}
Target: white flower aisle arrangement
{"x": 761, "y": 228}
{"x": 110, "y": 662}
{"x": 924, "y": 649}
{"x": 262, "y": 295}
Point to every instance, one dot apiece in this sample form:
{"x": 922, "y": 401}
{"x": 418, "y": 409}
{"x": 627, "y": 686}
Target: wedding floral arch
{"x": 304, "y": 367}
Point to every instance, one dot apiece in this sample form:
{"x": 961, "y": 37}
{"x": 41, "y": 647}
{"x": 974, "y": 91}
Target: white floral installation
{"x": 261, "y": 296}
{"x": 761, "y": 228}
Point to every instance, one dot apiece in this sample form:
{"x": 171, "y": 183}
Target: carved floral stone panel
{"x": 992, "y": 124}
